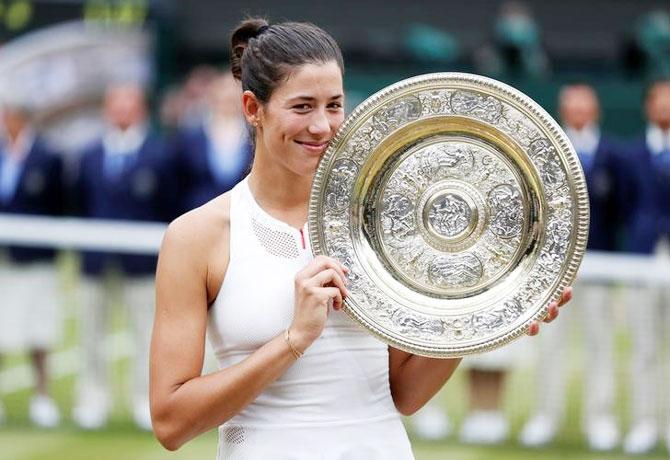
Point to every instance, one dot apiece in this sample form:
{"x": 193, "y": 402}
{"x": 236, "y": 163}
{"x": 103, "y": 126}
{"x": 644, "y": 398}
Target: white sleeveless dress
{"x": 334, "y": 403}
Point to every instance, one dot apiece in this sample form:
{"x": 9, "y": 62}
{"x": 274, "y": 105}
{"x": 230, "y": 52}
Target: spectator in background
{"x": 649, "y": 225}
{"x": 580, "y": 112}
{"x": 30, "y": 183}
{"x": 215, "y": 155}
{"x": 517, "y": 41}
{"x": 185, "y": 106}
{"x": 430, "y": 45}
{"x": 431, "y": 422}
{"x": 126, "y": 175}
{"x": 485, "y": 422}
{"x": 647, "y": 50}
{"x": 172, "y": 109}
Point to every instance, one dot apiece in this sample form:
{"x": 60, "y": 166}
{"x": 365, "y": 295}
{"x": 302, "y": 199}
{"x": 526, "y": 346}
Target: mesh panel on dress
{"x": 277, "y": 243}
{"x": 232, "y": 444}
{"x": 234, "y": 435}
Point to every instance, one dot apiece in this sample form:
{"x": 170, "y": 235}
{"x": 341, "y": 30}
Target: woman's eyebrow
{"x": 311, "y": 98}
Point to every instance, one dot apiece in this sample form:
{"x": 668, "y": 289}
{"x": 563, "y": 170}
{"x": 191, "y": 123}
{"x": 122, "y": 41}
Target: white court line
{"x": 63, "y": 363}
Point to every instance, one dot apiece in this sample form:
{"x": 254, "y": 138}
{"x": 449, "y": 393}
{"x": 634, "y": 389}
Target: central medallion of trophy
{"x": 450, "y": 215}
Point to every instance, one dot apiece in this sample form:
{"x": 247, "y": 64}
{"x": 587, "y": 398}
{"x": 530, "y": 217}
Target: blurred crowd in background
{"x": 144, "y": 135}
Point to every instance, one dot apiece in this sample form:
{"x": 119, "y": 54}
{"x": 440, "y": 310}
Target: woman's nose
{"x": 319, "y": 123}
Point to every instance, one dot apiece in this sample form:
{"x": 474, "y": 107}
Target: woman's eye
{"x": 335, "y": 105}
{"x": 301, "y": 107}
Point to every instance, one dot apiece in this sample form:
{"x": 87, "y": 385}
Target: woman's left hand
{"x": 552, "y": 314}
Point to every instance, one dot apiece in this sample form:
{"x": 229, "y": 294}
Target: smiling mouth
{"x": 314, "y": 146}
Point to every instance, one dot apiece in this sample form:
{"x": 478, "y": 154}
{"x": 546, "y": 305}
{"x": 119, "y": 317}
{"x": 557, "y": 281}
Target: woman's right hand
{"x": 321, "y": 282}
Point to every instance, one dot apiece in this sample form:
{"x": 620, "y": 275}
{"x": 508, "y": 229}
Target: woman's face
{"x": 303, "y": 114}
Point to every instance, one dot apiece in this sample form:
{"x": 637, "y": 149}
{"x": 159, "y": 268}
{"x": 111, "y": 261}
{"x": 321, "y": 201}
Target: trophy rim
{"x": 472, "y": 82}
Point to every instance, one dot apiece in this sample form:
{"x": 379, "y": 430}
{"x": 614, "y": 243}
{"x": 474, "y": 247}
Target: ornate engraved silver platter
{"x": 460, "y": 208}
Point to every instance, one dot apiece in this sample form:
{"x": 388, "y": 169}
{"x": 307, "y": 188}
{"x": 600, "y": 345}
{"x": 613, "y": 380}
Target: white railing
{"x": 74, "y": 233}
{"x": 145, "y": 238}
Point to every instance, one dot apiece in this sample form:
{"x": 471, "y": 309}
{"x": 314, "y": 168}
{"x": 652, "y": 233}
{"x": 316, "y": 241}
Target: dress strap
{"x": 239, "y": 218}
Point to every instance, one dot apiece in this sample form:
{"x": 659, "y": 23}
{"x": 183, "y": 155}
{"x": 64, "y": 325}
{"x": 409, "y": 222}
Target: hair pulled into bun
{"x": 262, "y": 55}
{"x": 239, "y": 40}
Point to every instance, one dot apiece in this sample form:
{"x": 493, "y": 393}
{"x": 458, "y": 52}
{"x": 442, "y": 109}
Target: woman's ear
{"x": 251, "y": 107}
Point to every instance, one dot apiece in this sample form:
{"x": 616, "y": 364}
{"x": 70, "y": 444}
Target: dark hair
{"x": 263, "y": 55}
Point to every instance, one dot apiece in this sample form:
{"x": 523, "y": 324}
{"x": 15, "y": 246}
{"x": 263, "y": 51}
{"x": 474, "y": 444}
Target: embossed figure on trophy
{"x": 445, "y": 160}
{"x": 409, "y": 182}
{"x": 450, "y": 215}
{"x": 558, "y": 232}
{"x": 507, "y": 205}
{"x": 339, "y": 187}
{"x": 397, "y": 217}
{"x": 487, "y": 321}
{"x": 480, "y": 106}
{"x": 435, "y": 101}
{"x": 499, "y": 317}
{"x": 512, "y": 310}
{"x": 361, "y": 144}
{"x": 455, "y": 271}
{"x": 489, "y": 171}
{"x": 396, "y": 113}
{"x": 547, "y": 158}
{"x": 416, "y": 325}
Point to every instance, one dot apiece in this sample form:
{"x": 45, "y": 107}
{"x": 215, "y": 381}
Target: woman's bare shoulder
{"x": 201, "y": 228}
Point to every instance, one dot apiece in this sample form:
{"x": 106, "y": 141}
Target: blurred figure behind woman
{"x": 30, "y": 183}
{"x": 580, "y": 112}
{"x": 214, "y": 155}
{"x": 128, "y": 174}
{"x": 648, "y": 160}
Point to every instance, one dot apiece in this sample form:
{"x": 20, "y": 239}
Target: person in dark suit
{"x": 648, "y": 159}
{"x": 599, "y": 156}
{"x": 126, "y": 175}
{"x": 217, "y": 154}
{"x": 30, "y": 183}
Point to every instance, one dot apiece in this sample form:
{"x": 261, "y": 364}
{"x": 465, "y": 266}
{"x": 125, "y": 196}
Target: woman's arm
{"x": 415, "y": 379}
{"x": 185, "y": 403}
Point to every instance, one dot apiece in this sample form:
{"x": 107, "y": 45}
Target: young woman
{"x": 298, "y": 379}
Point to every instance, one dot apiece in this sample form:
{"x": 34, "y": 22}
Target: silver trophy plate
{"x": 460, "y": 208}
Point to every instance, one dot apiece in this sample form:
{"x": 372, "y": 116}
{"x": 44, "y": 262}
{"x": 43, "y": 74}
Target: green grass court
{"x": 121, "y": 440}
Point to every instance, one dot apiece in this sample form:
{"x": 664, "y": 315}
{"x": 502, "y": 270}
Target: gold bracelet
{"x": 287, "y": 338}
